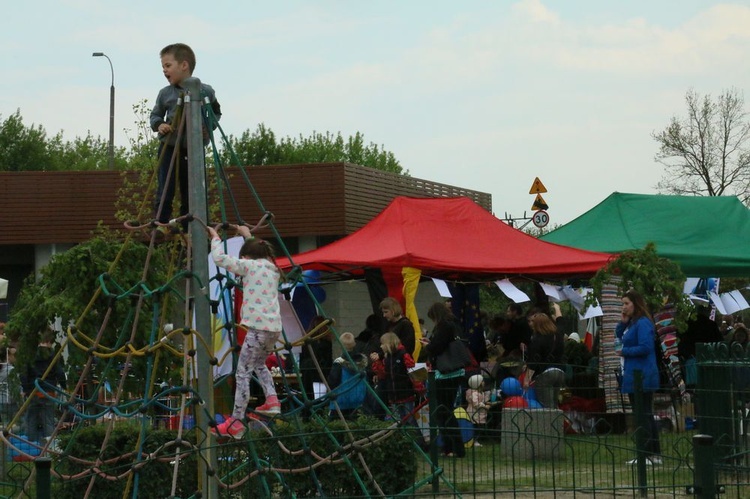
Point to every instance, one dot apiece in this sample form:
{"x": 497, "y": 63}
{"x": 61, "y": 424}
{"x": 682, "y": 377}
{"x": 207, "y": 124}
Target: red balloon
{"x": 515, "y": 402}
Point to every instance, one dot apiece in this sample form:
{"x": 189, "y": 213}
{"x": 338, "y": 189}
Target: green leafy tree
{"x": 707, "y": 153}
{"x": 82, "y": 154}
{"x": 135, "y": 198}
{"x": 261, "y": 147}
{"x": 29, "y": 148}
{"x": 22, "y": 148}
{"x": 143, "y": 142}
{"x": 659, "y": 280}
{"x": 65, "y": 289}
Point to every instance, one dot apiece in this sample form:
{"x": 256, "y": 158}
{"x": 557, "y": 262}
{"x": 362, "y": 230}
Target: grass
{"x": 585, "y": 466}
{"x": 582, "y": 463}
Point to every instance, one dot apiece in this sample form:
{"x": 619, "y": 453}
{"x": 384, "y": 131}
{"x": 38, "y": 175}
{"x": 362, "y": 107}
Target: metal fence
{"x": 524, "y": 452}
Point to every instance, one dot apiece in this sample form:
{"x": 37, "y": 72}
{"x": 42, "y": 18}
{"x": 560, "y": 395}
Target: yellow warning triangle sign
{"x": 539, "y": 204}
{"x": 537, "y": 187}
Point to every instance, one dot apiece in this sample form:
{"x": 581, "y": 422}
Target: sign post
{"x": 539, "y": 207}
{"x": 540, "y": 217}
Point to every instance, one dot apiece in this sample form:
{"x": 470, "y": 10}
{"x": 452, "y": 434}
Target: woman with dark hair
{"x": 637, "y": 336}
{"x": 368, "y": 340}
{"x": 444, "y": 331}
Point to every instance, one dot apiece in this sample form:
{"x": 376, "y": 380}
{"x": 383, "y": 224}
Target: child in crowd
{"x": 347, "y": 379}
{"x": 178, "y": 64}
{"x": 260, "y": 315}
{"x": 478, "y": 402}
{"x": 393, "y": 371}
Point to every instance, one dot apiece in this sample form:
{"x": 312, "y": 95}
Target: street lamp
{"x": 111, "y": 111}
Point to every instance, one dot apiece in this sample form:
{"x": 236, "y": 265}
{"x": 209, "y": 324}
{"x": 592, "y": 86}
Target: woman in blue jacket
{"x": 638, "y": 339}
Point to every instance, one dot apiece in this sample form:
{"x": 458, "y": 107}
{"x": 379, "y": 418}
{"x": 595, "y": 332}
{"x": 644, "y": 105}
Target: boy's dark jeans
{"x": 180, "y": 170}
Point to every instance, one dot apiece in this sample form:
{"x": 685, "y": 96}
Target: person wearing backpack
{"x": 347, "y": 379}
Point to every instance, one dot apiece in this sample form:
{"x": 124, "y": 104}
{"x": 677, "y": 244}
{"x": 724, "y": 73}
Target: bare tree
{"x": 708, "y": 152}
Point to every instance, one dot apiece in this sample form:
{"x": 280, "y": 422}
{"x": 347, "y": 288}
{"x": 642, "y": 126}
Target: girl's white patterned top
{"x": 260, "y": 288}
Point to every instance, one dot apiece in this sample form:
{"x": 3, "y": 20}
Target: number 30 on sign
{"x": 540, "y": 218}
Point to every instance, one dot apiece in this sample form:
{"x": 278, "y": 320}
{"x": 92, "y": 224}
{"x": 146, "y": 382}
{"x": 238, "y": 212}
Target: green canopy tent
{"x": 706, "y": 236}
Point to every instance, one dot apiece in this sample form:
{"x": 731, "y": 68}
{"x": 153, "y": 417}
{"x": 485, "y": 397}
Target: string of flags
{"x": 726, "y": 303}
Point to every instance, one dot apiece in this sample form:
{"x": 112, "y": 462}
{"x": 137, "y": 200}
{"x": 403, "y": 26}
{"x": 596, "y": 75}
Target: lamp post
{"x": 111, "y": 164}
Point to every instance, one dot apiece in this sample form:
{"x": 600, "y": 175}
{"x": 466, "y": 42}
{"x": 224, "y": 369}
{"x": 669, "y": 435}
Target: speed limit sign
{"x": 540, "y": 218}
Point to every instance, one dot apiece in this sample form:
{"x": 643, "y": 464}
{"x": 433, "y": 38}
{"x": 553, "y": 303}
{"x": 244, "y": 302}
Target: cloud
{"x": 535, "y": 11}
{"x": 712, "y": 38}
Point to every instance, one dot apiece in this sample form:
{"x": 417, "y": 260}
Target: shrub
{"x": 153, "y": 479}
{"x": 238, "y": 459}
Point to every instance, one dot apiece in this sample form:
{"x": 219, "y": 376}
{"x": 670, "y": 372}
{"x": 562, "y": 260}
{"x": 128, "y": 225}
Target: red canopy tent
{"x": 446, "y": 238}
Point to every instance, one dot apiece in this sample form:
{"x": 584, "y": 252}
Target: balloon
{"x": 534, "y": 404}
{"x": 465, "y": 425}
{"x": 530, "y": 394}
{"x": 515, "y": 402}
{"x": 311, "y": 277}
{"x": 511, "y": 387}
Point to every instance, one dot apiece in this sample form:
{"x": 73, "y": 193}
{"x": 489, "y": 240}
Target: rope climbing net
{"x": 121, "y": 392}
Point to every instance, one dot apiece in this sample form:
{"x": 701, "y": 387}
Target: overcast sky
{"x": 484, "y": 95}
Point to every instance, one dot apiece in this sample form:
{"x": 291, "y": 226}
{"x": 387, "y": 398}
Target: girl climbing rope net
{"x": 262, "y": 318}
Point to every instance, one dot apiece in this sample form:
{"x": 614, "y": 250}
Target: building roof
{"x": 330, "y": 199}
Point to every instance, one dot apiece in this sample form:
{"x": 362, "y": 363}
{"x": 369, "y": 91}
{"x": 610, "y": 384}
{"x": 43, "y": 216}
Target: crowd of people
{"x": 372, "y": 373}
{"x": 531, "y": 346}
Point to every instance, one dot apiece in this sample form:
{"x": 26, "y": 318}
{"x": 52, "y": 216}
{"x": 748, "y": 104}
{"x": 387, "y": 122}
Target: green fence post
{"x": 3, "y": 457}
{"x": 703, "y": 475}
{"x": 642, "y": 428}
{"x": 432, "y": 404}
{"x": 714, "y": 396}
{"x": 43, "y": 466}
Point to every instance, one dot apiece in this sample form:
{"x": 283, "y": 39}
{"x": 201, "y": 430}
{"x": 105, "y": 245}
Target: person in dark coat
{"x": 702, "y": 329}
{"x": 368, "y": 340}
{"x": 518, "y": 331}
{"x": 445, "y": 329}
{"x": 398, "y": 324}
{"x": 319, "y": 348}
{"x": 392, "y": 368}
{"x": 546, "y": 348}
{"x": 41, "y": 415}
{"x": 699, "y": 330}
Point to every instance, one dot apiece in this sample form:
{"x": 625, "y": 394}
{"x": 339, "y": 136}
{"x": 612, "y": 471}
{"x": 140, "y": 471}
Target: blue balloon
{"x": 311, "y": 277}
{"x": 530, "y": 394}
{"x": 511, "y": 387}
{"x": 534, "y": 404}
